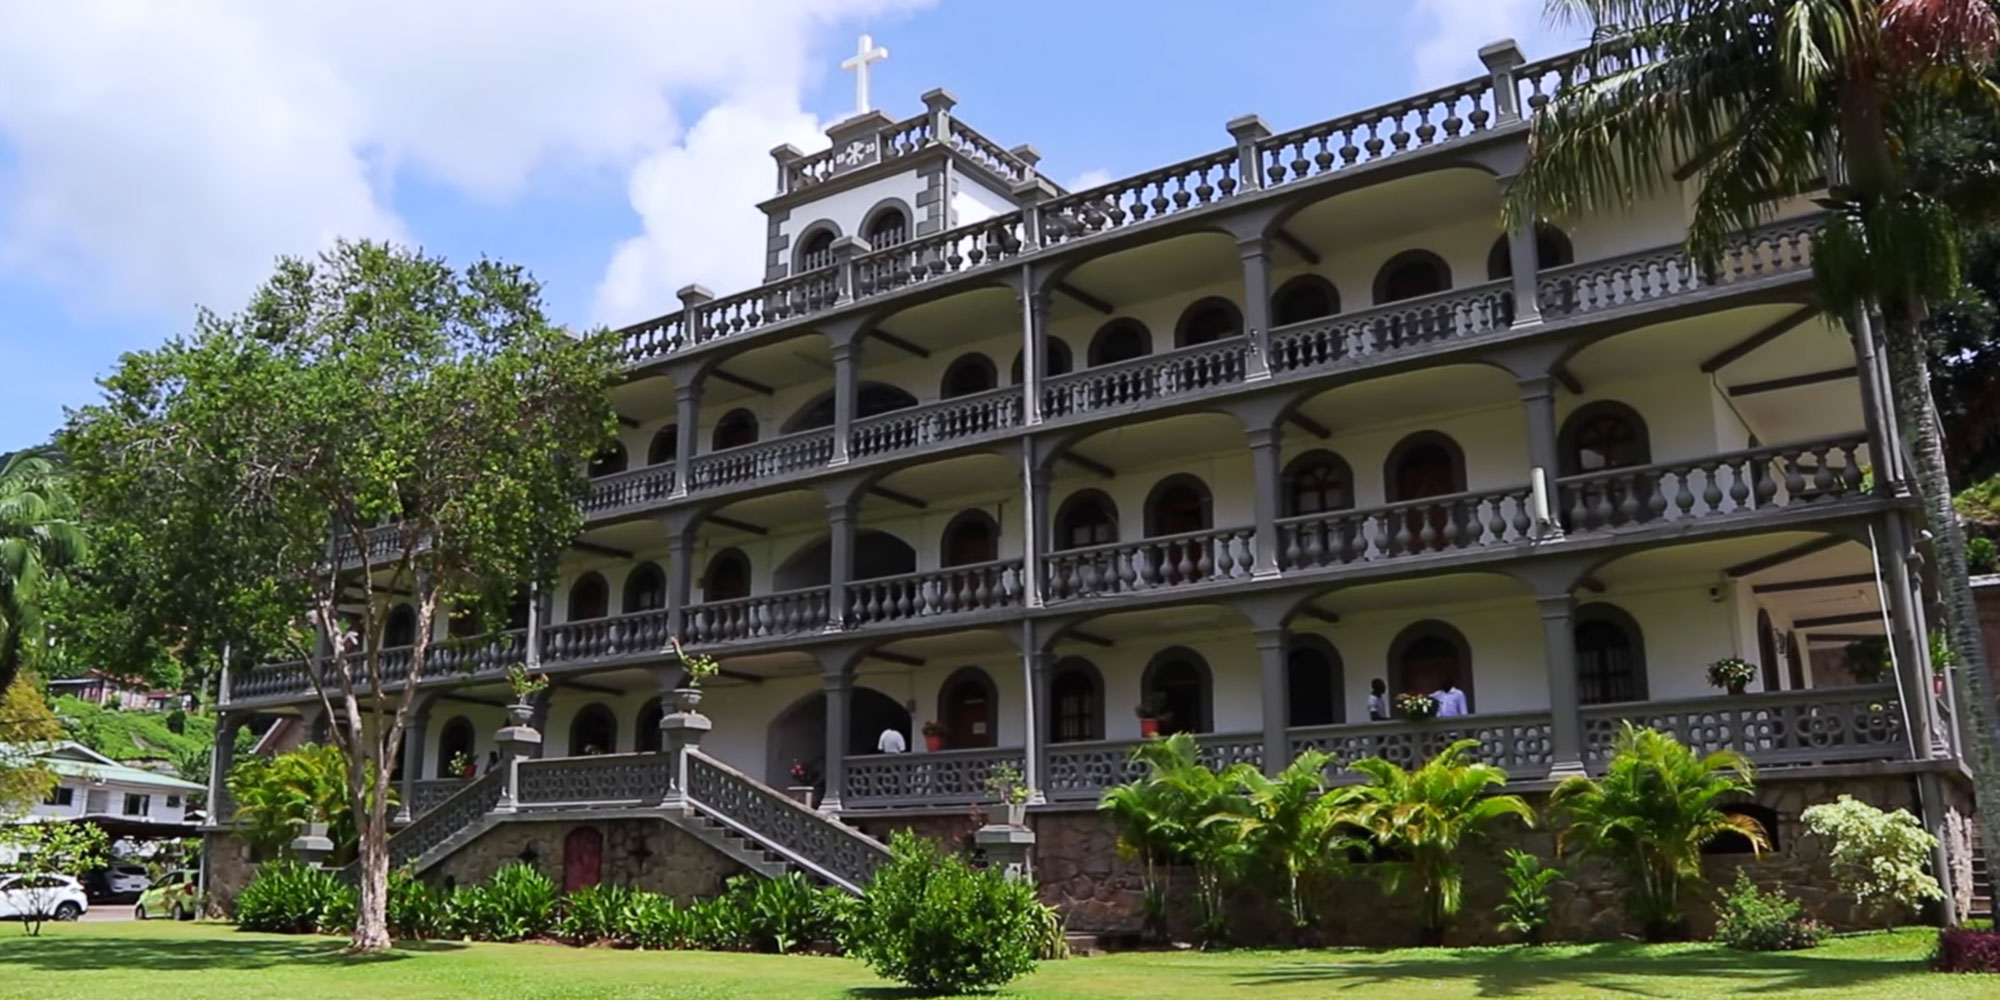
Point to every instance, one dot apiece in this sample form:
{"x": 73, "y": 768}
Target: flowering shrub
{"x": 1731, "y": 672}
{"x": 1962, "y": 950}
{"x": 1417, "y": 706}
{"x": 1750, "y": 920}
{"x": 1878, "y": 857}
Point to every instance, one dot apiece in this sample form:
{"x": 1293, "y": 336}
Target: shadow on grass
{"x": 1623, "y": 967}
{"x": 177, "y": 954}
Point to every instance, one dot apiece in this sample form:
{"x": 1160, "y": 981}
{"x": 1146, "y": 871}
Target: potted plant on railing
{"x": 933, "y": 737}
{"x": 699, "y": 667}
{"x": 461, "y": 765}
{"x": 805, "y": 778}
{"x": 1417, "y": 706}
{"x": 526, "y": 686}
{"x": 1005, "y": 781}
{"x": 1731, "y": 673}
{"x": 1152, "y": 712}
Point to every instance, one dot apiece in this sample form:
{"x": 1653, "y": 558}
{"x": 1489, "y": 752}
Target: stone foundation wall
{"x": 647, "y": 854}
{"x": 230, "y": 868}
{"x": 1080, "y": 872}
{"x": 955, "y": 830}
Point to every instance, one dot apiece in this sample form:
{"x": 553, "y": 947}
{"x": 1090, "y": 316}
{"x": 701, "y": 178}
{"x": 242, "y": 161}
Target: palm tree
{"x": 1749, "y": 100}
{"x": 1419, "y": 821}
{"x": 1291, "y": 824}
{"x": 1180, "y": 812}
{"x": 38, "y": 539}
{"x": 1650, "y": 815}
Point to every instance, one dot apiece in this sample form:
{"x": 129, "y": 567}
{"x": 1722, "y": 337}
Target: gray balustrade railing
{"x": 763, "y": 460}
{"x": 789, "y": 612}
{"x": 270, "y": 680}
{"x": 654, "y": 338}
{"x": 1414, "y": 123}
{"x": 632, "y": 488}
{"x": 947, "y": 777}
{"x": 458, "y": 812}
{"x": 603, "y": 780}
{"x": 890, "y": 142}
{"x": 1002, "y": 164}
{"x": 940, "y": 255}
{"x": 775, "y": 821}
{"x": 1818, "y": 726}
{"x": 384, "y": 541}
{"x": 430, "y": 793}
{"x": 1537, "y": 82}
{"x": 773, "y": 302}
{"x": 956, "y": 590}
{"x": 1158, "y": 376}
{"x": 1154, "y": 563}
{"x": 605, "y": 638}
{"x": 1775, "y": 476}
{"x": 1667, "y": 272}
{"x": 953, "y": 419}
{"x": 1085, "y": 770}
{"x": 1393, "y": 328}
{"x": 1451, "y": 523}
{"x": 1170, "y": 190}
{"x": 1517, "y": 742}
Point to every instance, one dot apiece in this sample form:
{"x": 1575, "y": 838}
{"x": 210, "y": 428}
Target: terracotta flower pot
{"x": 1736, "y": 688}
{"x": 1149, "y": 728}
{"x": 933, "y": 742}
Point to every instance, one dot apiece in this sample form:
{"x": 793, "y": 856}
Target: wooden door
{"x": 583, "y": 858}
{"x": 970, "y": 723}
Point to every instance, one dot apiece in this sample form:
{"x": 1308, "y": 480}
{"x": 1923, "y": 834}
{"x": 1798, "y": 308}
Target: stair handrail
{"x": 849, "y": 857}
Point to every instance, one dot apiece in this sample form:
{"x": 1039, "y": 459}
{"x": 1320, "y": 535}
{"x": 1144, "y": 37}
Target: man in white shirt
{"x": 891, "y": 741}
{"x": 1450, "y": 700}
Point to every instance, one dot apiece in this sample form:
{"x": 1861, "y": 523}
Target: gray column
{"x": 1256, "y": 255}
{"x": 1527, "y": 264}
{"x": 415, "y": 734}
{"x": 680, "y": 580}
{"x": 839, "y": 684}
{"x": 840, "y": 532}
{"x": 1265, "y": 476}
{"x": 1502, "y": 59}
{"x": 1882, "y": 456}
{"x": 1908, "y": 638}
{"x": 846, "y": 392}
{"x": 1538, "y": 403}
{"x": 1271, "y": 664}
{"x": 221, "y": 760}
{"x": 1035, "y": 536}
{"x": 1565, "y": 722}
{"x": 1042, "y": 709}
{"x": 1248, "y": 131}
{"x": 688, "y": 396}
{"x": 1034, "y": 349}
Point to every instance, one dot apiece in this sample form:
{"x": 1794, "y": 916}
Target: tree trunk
{"x": 1978, "y": 716}
{"x": 371, "y": 916}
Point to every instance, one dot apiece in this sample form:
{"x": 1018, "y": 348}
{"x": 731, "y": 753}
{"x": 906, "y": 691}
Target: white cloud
{"x": 1090, "y": 179}
{"x": 163, "y": 154}
{"x": 1451, "y": 32}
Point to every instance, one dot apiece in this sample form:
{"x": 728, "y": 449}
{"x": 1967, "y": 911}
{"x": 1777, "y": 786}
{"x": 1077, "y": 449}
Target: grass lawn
{"x": 121, "y": 961}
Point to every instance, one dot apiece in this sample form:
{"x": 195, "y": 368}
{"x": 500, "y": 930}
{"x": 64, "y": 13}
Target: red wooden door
{"x": 583, "y": 858}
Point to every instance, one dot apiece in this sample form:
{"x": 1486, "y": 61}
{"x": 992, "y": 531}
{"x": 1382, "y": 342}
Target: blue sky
{"x": 151, "y": 167}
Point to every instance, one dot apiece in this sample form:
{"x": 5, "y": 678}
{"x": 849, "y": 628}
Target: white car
{"x": 126, "y": 879}
{"x": 56, "y": 897}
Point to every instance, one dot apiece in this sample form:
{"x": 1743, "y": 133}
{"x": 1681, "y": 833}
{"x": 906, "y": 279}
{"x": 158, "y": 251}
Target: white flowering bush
{"x": 1878, "y": 857}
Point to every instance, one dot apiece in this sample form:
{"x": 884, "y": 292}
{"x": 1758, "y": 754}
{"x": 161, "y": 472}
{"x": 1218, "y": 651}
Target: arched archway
{"x": 737, "y": 428}
{"x": 1177, "y": 505}
{"x": 1315, "y": 483}
{"x": 1411, "y": 274}
{"x": 1610, "y": 655}
{"x": 1304, "y": 298}
{"x": 886, "y": 226}
{"x": 1552, "y": 249}
{"x": 972, "y": 538}
{"x": 589, "y": 597}
{"x": 454, "y": 743}
{"x": 1057, "y": 363}
{"x": 1076, "y": 696}
{"x": 815, "y": 247}
{"x": 647, "y": 736}
{"x": 876, "y": 554}
{"x": 593, "y": 731}
{"x": 1119, "y": 340}
{"x": 1178, "y": 682}
{"x": 645, "y": 589}
{"x": 969, "y": 709}
{"x": 400, "y": 628}
{"x": 1606, "y": 434}
{"x": 1424, "y": 464}
{"x": 1086, "y": 518}
{"x": 1207, "y": 321}
{"x": 798, "y": 734}
{"x": 1429, "y": 655}
{"x": 665, "y": 446}
{"x": 727, "y": 577}
{"x": 872, "y": 399}
{"x": 1315, "y": 683}
{"x": 969, "y": 374}
{"x": 611, "y": 461}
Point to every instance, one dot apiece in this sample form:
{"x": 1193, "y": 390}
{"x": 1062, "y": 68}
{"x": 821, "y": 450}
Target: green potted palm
{"x": 525, "y": 685}
{"x": 700, "y": 667}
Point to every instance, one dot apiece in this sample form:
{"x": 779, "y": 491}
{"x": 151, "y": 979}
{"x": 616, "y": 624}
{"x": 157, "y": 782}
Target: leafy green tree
{"x": 375, "y": 423}
{"x": 25, "y": 720}
{"x": 1292, "y": 826}
{"x": 39, "y": 538}
{"x": 1650, "y": 815}
{"x": 1420, "y": 821}
{"x": 1140, "y": 812}
{"x": 277, "y": 797}
{"x": 51, "y": 849}
{"x": 1878, "y": 857}
{"x": 1753, "y": 103}
{"x": 1185, "y": 811}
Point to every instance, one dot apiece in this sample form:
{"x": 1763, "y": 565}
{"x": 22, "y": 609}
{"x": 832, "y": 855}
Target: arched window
{"x": 972, "y": 538}
{"x": 1207, "y": 321}
{"x": 1429, "y": 656}
{"x": 1317, "y": 482}
{"x": 1076, "y": 690}
{"x": 872, "y": 399}
{"x": 969, "y": 374}
{"x": 728, "y": 577}
{"x": 645, "y": 589}
{"x": 1604, "y": 435}
{"x": 1425, "y": 464}
{"x": 1552, "y": 249}
{"x": 454, "y": 741}
{"x": 888, "y": 228}
{"x": 666, "y": 444}
{"x": 737, "y": 428}
{"x": 1306, "y": 297}
{"x": 1177, "y": 505}
{"x": 1767, "y": 650}
{"x": 400, "y": 629}
{"x": 1119, "y": 340}
{"x": 1610, "y": 656}
{"x": 815, "y": 248}
{"x": 1314, "y": 683}
{"x": 1087, "y": 518}
{"x": 593, "y": 731}
{"x": 1177, "y": 683}
{"x": 1411, "y": 274}
{"x": 969, "y": 707}
{"x": 647, "y": 737}
{"x": 1057, "y": 363}
{"x": 1736, "y": 843}
{"x": 611, "y": 460}
{"x": 589, "y": 597}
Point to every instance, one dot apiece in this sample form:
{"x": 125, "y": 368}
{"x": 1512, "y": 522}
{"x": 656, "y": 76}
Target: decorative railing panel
{"x": 1156, "y": 563}
{"x": 889, "y": 143}
{"x": 1393, "y": 328}
{"x": 763, "y": 460}
{"x": 384, "y": 542}
{"x": 605, "y": 780}
{"x": 1823, "y": 725}
{"x": 428, "y": 794}
{"x": 946, "y": 777}
{"x": 935, "y": 423}
{"x": 1517, "y": 742}
{"x": 1458, "y": 522}
{"x": 270, "y": 680}
{"x": 772, "y": 302}
{"x": 445, "y": 820}
{"x": 1160, "y": 376}
{"x": 988, "y": 154}
{"x": 604, "y": 638}
{"x": 1424, "y": 120}
{"x": 927, "y": 258}
{"x": 788, "y": 612}
{"x": 826, "y": 846}
{"x": 1085, "y": 770}
{"x": 1667, "y": 272}
{"x": 633, "y": 488}
{"x": 1773, "y": 477}
{"x": 653, "y": 338}
{"x": 1190, "y": 184}
{"x": 944, "y": 592}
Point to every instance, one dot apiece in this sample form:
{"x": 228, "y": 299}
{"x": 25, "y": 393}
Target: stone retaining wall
{"x": 230, "y": 868}
{"x": 647, "y": 854}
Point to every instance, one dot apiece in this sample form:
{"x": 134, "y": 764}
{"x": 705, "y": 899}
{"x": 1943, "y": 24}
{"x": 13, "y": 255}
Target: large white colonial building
{"x": 1231, "y": 439}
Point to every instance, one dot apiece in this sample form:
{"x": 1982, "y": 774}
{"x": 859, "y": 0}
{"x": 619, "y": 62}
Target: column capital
{"x": 688, "y": 392}
{"x": 1555, "y": 606}
{"x": 1272, "y": 637}
{"x": 1264, "y": 437}
{"x": 694, "y": 296}
{"x": 1248, "y": 128}
{"x": 1253, "y": 248}
{"x": 1537, "y": 387}
{"x": 1502, "y": 55}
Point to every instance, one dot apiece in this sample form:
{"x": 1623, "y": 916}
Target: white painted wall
{"x": 847, "y": 208}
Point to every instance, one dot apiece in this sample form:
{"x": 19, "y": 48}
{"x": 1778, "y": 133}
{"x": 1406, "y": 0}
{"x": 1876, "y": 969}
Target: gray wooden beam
{"x": 1858, "y": 618}
{"x": 899, "y": 343}
{"x": 1084, "y": 297}
{"x": 1311, "y": 426}
{"x": 900, "y": 497}
{"x": 1791, "y": 382}
{"x": 741, "y": 382}
{"x": 1298, "y": 246}
{"x": 1816, "y": 583}
{"x": 898, "y": 658}
{"x": 602, "y": 550}
{"x": 1776, "y": 559}
{"x": 734, "y": 524}
{"x": 1091, "y": 638}
{"x": 1085, "y": 462}
{"x": 1742, "y": 348}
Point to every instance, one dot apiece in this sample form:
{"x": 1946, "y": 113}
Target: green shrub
{"x": 786, "y": 913}
{"x": 650, "y": 920}
{"x": 719, "y": 924}
{"x": 1749, "y": 920}
{"x": 592, "y": 914}
{"x": 1981, "y": 555}
{"x": 288, "y": 897}
{"x": 1525, "y": 911}
{"x": 516, "y": 904}
{"x": 931, "y": 921}
{"x": 1878, "y": 857}
{"x": 417, "y": 912}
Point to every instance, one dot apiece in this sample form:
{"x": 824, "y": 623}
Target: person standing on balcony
{"x": 1450, "y": 700}
{"x": 1378, "y": 701}
{"x": 891, "y": 741}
